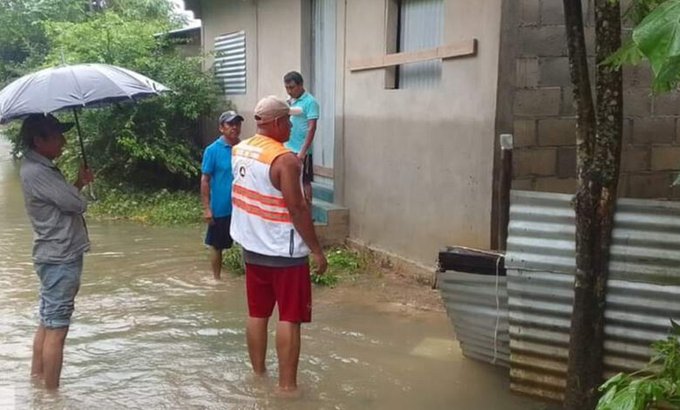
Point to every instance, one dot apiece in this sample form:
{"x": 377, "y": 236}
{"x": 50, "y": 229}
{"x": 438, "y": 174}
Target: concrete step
{"x": 323, "y": 192}
{"x": 331, "y": 222}
{"x": 322, "y": 210}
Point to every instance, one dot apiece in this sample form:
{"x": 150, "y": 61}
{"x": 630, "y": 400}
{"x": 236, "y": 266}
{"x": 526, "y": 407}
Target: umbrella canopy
{"x": 73, "y": 86}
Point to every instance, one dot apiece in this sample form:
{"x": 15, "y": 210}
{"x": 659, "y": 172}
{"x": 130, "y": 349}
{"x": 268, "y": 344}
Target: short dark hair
{"x": 33, "y": 126}
{"x": 40, "y": 125}
{"x": 293, "y": 77}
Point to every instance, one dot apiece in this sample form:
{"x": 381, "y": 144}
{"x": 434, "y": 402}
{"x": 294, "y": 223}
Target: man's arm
{"x": 207, "y": 168}
{"x": 54, "y": 189}
{"x": 205, "y": 197}
{"x": 311, "y": 131}
{"x": 285, "y": 175}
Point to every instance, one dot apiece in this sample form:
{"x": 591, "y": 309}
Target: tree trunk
{"x": 598, "y": 143}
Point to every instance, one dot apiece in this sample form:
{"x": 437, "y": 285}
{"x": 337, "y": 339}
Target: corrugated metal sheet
{"x": 323, "y": 78}
{"x": 230, "y": 62}
{"x": 643, "y": 290}
{"x": 478, "y": 308}
{"x": 421, "y": 27}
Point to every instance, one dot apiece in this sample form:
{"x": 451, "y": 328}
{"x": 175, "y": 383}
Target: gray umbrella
{"x": 72, "y": 87}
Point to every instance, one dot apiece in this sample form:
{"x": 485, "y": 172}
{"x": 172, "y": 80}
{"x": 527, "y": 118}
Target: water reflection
{"x": 153, "y": 330}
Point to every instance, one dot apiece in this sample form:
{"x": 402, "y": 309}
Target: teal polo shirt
{"x": 310, "y": 111}
{"x": 217, "y": 164}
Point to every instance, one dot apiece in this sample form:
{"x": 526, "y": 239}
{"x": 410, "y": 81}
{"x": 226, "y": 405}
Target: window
{"x": 230, "y": 62}
{"x": 414, "y": 25}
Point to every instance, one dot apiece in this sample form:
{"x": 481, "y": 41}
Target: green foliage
{"x": 341, "y": 263}
{"x": 158, "y": 208}
{"x": 232, "y": 258}
{"x": 23, "y": 40}
{"x": 655, "y": 38}
{"x": 656, "y": 384}
{"x": 24, "y": 37}
{"x": 151, "y": 144}
{"x": 343, "y": 260}
{"x": 328, "y": 279}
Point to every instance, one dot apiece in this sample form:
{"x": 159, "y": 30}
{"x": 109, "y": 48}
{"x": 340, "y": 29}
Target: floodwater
{"x": 153, "y": 330}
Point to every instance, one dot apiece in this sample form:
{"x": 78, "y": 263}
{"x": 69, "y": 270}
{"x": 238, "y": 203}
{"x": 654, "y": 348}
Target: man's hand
{"x": 208, "y": 217}
{"x": 301, "y": 156}
{"x": 85, "y": 177}
{"x": 320, "y": 263}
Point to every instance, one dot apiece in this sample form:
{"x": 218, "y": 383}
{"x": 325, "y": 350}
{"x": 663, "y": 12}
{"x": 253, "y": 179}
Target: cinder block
{"x": 649, "y": 185}
{"x": 544, "y": 41}
{"x": 627, "y": 130}
{"x": 637, "y": 102}
{"x": 558, "y": 185}
{"x": 524, "y": 133}
{"x": 665, "y": 158}
{"x": 622, "y": 190}
{"x": 637, "y": 76}
{"x": 523, "y": 184}
{"x": 566, "y": 163}
{"x": 635, "y": 158}
{"x": 529, "y": 12}
{"x": 543, "y": 101}
{"x": 667, "y": 104}
{"x": 557, "y": 131}
{"x": 568, "y": 107}
{"x": 534, "y": 162}
{"x": 552, "y": 12}
{"x": 654, "y": 130}
{"x": 554, "y": 71}
{"x": 527, "y": 72}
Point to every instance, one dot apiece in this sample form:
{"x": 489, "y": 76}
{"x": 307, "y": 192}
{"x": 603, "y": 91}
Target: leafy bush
{"x": 158, "y": 208}
{"x": 155, "y": 143}
{"x": 232, "y": 258}
{"x": 658, "y": 383}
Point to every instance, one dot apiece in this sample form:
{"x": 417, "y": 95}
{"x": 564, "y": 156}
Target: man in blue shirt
{"x": 304, "y": 126}
{"x": 216, "y": 188}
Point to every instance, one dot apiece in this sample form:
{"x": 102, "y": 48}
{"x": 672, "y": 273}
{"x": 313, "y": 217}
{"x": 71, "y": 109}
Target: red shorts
{"x": 290, "y": 288}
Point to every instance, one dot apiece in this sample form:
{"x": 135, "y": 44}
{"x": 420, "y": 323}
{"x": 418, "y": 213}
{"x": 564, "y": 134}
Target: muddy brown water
{"x": 153, "y": 330}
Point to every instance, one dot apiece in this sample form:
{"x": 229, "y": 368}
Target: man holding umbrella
{"x": 55, "y": 208}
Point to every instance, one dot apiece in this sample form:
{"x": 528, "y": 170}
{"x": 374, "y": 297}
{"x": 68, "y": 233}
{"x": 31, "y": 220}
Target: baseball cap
{"x": 229, "y": 117}
{"x": 272, "y": 107}
{"x": 38, "y": 124}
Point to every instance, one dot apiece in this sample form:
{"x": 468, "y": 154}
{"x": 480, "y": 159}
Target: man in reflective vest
{"x": 273, "y": 223}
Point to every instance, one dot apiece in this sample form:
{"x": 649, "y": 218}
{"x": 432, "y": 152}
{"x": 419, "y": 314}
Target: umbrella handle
{"x": 80, "y": 138}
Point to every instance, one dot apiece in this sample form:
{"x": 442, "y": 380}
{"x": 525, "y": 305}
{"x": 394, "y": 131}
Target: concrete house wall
{"x": 414, "y": 166}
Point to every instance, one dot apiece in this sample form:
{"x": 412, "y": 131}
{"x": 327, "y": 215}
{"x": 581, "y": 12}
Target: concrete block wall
{"x": 544, "y": 116}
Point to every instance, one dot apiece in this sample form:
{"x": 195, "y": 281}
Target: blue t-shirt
{"x": 310, "y": 111}
{"x": 217, "y": 164}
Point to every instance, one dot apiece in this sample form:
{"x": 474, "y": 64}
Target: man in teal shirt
{"x": 304, "y": 126}
{"x": 216, "y": 188}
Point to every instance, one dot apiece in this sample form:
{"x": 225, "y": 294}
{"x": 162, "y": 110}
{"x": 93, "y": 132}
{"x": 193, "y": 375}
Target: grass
{"x": 343, "y": 263}
{"x": 155, "y": 208}
{"x": 232, "y": 259}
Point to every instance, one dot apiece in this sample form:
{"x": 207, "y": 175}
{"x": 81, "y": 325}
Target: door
{"x": 323, "y": 85}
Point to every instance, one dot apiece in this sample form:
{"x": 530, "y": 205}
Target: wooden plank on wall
{"x": 323, "y": 171}
{"x": 452, "y": 50}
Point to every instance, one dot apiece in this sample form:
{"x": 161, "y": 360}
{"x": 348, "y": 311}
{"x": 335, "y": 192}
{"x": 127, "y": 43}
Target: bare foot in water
{"x": 287, "y": 392}
{"x": 37, "y": 380}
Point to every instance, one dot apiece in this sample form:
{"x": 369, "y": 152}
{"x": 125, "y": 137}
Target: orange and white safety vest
{"x": 260, "y": 221}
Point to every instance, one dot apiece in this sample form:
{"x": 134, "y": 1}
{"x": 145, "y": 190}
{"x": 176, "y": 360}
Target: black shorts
{"x": 218, "y": 234}
{"x": 308, "y": 169}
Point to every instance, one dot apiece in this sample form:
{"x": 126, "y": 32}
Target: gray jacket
{"x": 55, "y": 209}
